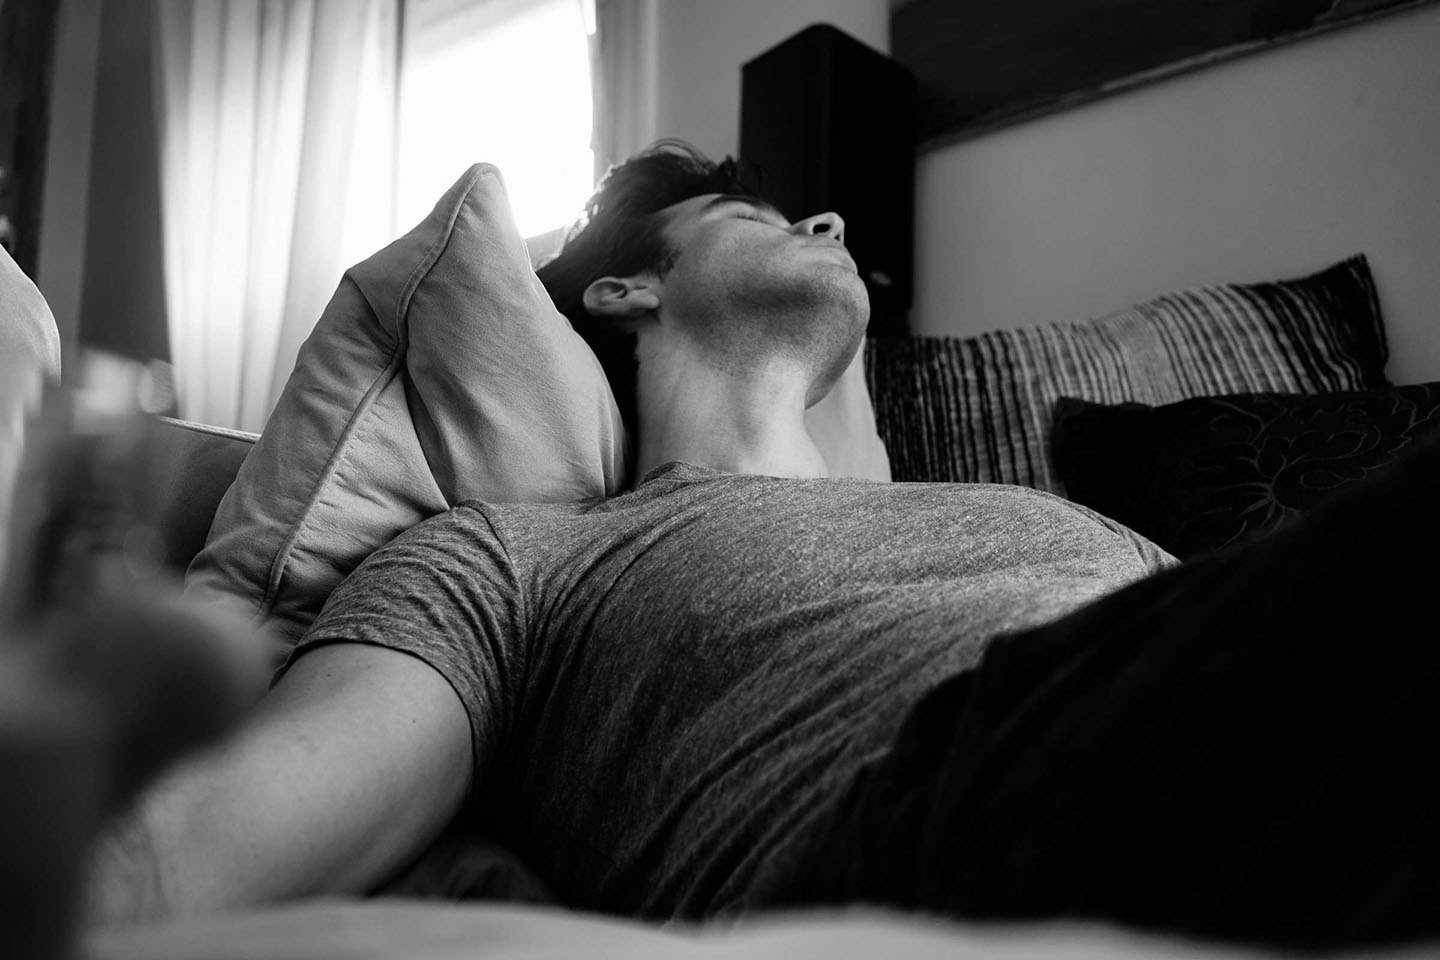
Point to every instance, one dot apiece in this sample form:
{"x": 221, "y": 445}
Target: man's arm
{"x": 350, "y": 767}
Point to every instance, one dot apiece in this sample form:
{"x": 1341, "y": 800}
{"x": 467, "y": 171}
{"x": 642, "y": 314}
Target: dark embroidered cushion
{"x": 1202, "y": 474}
{"x": 978, "y": 408}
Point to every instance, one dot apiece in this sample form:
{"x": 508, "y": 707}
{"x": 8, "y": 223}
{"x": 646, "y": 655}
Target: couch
{"x": 1157, "y": 414}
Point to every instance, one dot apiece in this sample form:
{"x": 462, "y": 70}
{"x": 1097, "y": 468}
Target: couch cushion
{"x": 439, "y": 371}
{"x": 978, "y": 408}
{"x": 200, "y": 464}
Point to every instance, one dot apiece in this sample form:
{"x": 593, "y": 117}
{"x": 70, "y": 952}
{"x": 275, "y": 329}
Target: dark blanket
{"x": 1234, "y": 748}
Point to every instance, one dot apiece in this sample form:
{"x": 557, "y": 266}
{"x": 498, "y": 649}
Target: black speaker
{"x": 829, "y": 124}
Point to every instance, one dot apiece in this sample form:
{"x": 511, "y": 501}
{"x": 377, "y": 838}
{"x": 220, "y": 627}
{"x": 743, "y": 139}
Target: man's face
{"x": 743, "y": 271}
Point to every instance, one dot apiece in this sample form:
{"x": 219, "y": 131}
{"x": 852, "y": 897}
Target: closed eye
{"x": 750, "y": 208}
{"x": 745, "y": 213}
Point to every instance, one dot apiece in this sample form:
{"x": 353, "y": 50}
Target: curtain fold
{"x": 624, "y": 60}
{"x": 276, "y": 121}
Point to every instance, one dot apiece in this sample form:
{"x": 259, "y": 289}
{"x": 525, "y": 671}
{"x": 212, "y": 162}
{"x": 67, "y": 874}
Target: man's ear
{"x": 621, "y": 298}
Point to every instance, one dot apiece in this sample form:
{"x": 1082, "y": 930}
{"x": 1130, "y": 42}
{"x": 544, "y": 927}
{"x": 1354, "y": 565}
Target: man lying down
{"x": 743, "y": 686}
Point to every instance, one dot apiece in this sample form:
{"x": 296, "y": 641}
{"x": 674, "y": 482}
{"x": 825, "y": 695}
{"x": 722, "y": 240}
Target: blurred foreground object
{"x": 106, "y": 675}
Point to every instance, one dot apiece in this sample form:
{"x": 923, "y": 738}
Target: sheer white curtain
{"x": 277, "y": 121}
{"x": 624, "y": 56}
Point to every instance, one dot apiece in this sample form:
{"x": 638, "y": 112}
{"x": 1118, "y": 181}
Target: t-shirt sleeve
{"x": 447, "y": 593}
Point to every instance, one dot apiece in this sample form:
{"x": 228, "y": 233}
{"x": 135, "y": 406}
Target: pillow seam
{"x": 386, "y": 377}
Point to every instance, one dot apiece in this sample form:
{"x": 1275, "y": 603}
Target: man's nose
{"x": 823, "y": 224}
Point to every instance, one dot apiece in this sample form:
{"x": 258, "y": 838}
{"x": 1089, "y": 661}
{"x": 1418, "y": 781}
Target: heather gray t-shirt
{"x": 663, "y": 685}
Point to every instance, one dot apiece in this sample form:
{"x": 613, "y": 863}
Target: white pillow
{"x": 440, "y": 371}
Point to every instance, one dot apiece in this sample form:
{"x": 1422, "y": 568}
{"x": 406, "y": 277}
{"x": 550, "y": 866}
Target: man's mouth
{"x": 834, "y": 245}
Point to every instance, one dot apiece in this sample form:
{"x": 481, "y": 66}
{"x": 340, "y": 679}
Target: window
{"x": 501, "y": 81}
{"x": 298, "y": 137}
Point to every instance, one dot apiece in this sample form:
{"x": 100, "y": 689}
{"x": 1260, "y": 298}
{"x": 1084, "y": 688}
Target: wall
{"x": 703, "y": 44}
{"x": 1267, "y": 166}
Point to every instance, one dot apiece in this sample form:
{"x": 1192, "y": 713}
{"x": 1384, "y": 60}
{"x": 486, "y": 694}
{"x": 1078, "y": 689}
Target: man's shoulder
{"x": 460, "y": 529}
{"x": 458, "y": 546}
{"x": 465, "y": 515}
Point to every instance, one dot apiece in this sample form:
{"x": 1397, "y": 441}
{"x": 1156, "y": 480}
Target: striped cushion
{"x": 978, "y": 409}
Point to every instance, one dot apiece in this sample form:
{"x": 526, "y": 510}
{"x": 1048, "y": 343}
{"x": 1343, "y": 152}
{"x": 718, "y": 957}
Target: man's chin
{"x": 858, "y": 311}
{"x": 842, "y": 345}
{"x": 847, "y": 296}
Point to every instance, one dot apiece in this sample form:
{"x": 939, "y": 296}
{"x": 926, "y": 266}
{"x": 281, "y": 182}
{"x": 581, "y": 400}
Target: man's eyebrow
{"x": 740, "y": 198}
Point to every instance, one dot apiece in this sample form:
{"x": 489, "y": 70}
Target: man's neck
{"x": 729, "y": 423}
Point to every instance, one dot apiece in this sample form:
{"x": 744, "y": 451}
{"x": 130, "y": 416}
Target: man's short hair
{"x": 619, "y": 234}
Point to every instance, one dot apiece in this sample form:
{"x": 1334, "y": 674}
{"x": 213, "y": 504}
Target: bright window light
{"x": 510, "y": 88}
